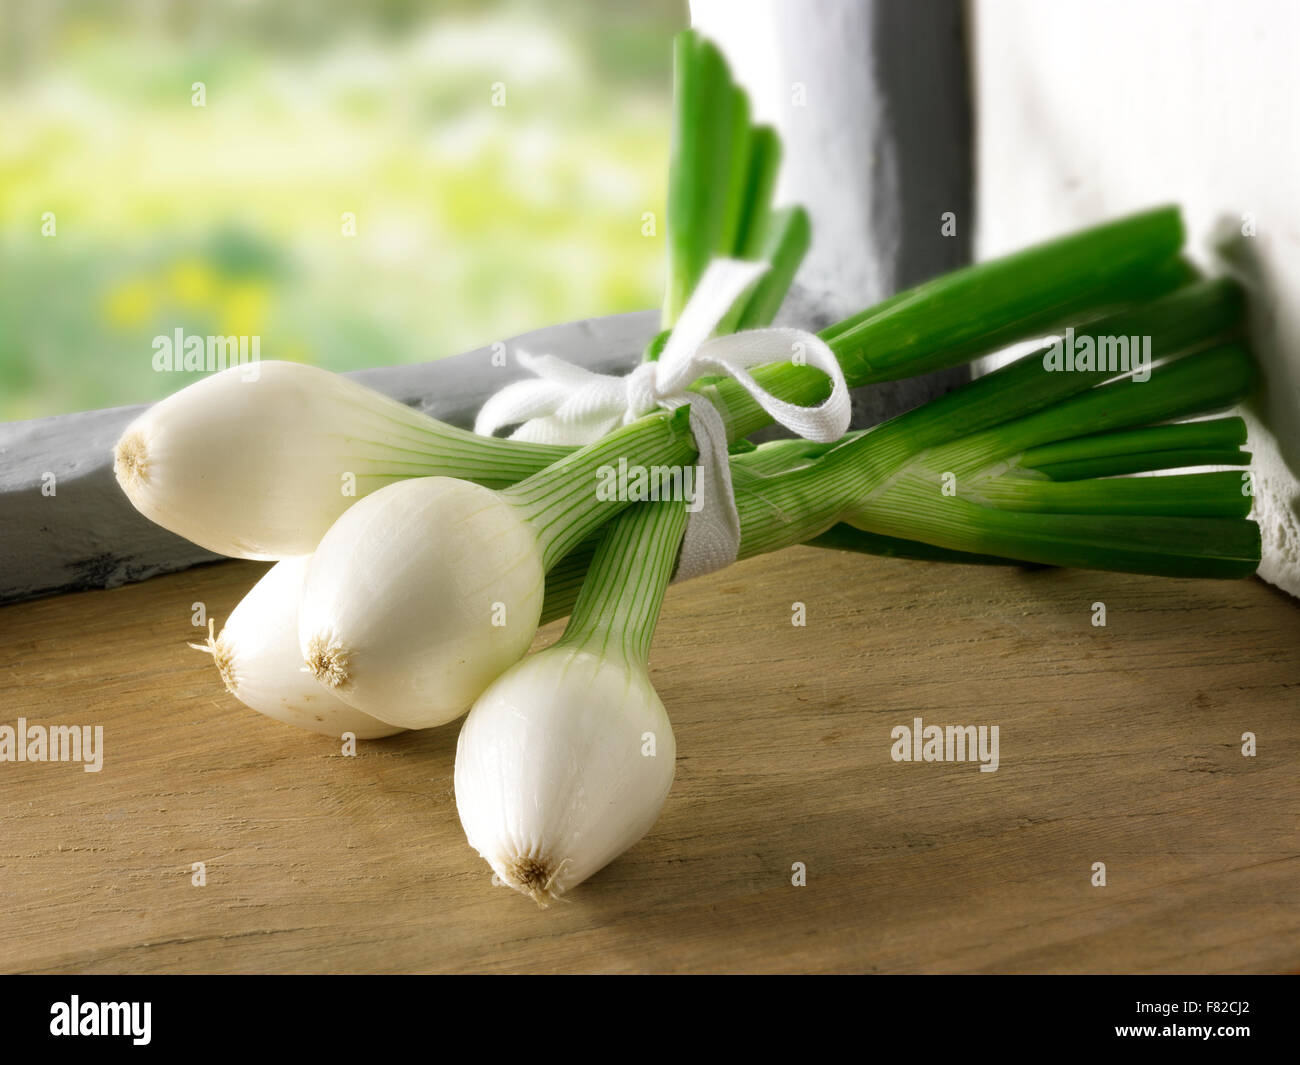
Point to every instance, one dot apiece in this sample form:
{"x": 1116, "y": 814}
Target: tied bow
{"x": 567, "y": 404}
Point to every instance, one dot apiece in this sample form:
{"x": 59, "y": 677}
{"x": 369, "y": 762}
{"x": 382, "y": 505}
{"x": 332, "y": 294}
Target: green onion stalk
{"x": 1022, "y": 464}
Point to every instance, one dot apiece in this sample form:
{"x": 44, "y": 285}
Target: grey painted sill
{"x": 87, "y": 535}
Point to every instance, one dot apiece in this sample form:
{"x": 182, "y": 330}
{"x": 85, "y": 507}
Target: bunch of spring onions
{"x": 415, "y": 561}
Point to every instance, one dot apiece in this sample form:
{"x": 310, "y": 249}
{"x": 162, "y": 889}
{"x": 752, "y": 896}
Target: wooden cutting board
{"x": 1119, "y": 744}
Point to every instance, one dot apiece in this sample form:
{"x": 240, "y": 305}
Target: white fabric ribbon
{"x": 567, "y": 404}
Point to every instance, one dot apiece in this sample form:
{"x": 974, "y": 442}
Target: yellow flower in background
{"x": 192, "y": 283}
{"x": 130, "y": 303}
{"x": 244, "y": 307}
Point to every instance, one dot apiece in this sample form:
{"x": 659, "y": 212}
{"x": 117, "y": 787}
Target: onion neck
{"x": 618, "y": 607}
{"x": 562, "y": 502}
{"x": 427, "y": 447}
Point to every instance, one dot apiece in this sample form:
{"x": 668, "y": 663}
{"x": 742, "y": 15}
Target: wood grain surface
{"x": 1120, "y": 745}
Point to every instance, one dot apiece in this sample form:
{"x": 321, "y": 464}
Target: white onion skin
{"x": 405, "y": 587}
{"x": 552, "y": 782}
{"x": 258, "y": 654}
{"x": 254, "y": 468}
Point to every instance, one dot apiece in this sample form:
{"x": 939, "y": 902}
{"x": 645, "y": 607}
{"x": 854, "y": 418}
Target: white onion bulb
{"x": 259, "y": 661}
{"x": 260, "y": 467}
{"x": 562, "y": 764}
{"x": 418, "y": 597}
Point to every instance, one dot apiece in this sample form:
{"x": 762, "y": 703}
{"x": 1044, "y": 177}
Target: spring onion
{"x": 566, "y": 760}
{"x": 259, "y": 466}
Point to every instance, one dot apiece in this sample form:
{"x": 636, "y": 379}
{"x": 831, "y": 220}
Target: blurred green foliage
{"x": 472, "y": 221}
